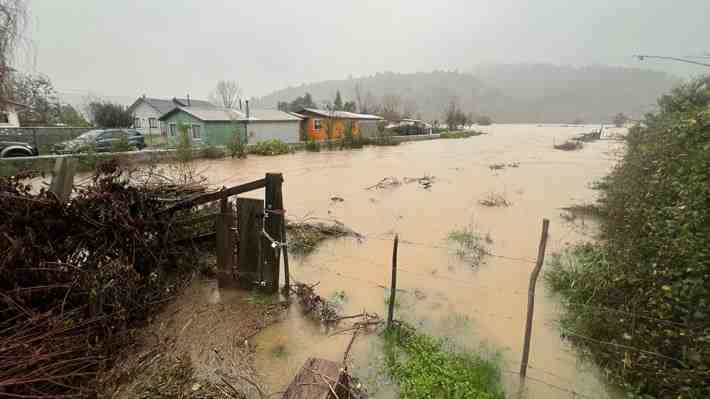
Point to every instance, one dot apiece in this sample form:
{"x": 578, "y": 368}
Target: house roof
{"x": 164, "y": 106}
{"x": 212, "y": 114}
{"x": 338, "y": 114}
{"x": 269, "y": 115}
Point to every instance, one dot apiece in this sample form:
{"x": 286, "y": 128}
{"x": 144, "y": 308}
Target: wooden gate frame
{"x": 274, "y": 219}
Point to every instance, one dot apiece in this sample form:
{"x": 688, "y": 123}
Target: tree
{"x": 226, "y": 94}
{"x": 410, "y": 108}
{"x": 484, "y": 120}
{"x": 283, "y": 106}
{"x": 454, "y": 116}
{"x": 391, "y": 104}
{"x": 108, "y": 115}
{"x": 38, "y": 94}
{"x": 620, "y": 119}
{"x": 13, "y": 14}
{"x": 69, "y": 116}
{"x": 350, "y": 106}
{"x": 305, "y": 101}
{"x": 338, "y": 102}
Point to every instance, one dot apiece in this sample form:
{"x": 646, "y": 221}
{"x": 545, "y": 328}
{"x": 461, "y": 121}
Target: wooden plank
{"x": 217, "y": 195}
{"x": 63, "y": 178}
{"x": 317, "y": 379}
{"x": 249, "y": 222}
{"x": 225, "y": 240}
{"x": 273, "y": 203}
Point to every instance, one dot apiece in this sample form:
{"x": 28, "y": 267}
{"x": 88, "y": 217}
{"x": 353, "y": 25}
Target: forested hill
{"x": 507, "y": 93}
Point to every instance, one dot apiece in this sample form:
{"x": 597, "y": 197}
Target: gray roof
{"x": 164, "y": 106}
{"x": 269, "y": 115}
{"x": 339, "y": 114}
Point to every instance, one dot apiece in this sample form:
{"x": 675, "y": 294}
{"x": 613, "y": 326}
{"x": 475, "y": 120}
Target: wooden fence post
{"x": 393, "y": 285}
{"x": 531, "y": 297}
{"x": 63, "y": 178}
{"x": 273, "y": 206}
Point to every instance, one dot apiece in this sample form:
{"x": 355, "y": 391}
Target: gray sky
{"x": 167, "y": 48}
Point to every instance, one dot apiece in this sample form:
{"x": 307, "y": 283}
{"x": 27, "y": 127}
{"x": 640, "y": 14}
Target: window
{"x": 153, "y": 123}
{"x": 4, "y": 117}
{"x": 137, "y": 122}
{"x": 196, "y": 132}
{"x": 173, "y": 130}
{"x": 317, "y": 124}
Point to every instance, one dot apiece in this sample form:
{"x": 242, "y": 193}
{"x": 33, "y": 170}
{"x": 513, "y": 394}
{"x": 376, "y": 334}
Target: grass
{"x": 426, "y": 367}
{"x": 463, "y": 134}
{"x": 472, "y": 246}
{"x": 259, "y": 298}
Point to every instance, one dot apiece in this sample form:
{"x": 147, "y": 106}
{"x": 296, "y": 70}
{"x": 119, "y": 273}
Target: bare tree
{"x": 410, "y": 108}
{"x": 13, "y": 15}
{"x": 226, "y": 94}
{"x": 391, "y": 106}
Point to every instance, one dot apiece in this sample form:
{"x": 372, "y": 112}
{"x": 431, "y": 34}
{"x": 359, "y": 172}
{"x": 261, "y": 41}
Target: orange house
{"x": 320, "y": 125}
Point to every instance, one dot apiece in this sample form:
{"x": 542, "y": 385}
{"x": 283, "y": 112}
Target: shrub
{"x": 121, "y": 145}
{"x": 312, "y": 146}
{"x": 237, "y": 146}
{"x": 270, "y": 147}
{"x": 184, "y": 146}
{"x": 645, "y": 286}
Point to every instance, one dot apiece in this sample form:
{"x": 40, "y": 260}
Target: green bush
{"x": 237, "y": 146}
{"x": 312, "y": 146}
{"x": 646, "y": 285}
{"x": 270, "y": 147}
{"x": 184, "y": 145}
{"x": 424, "y": 367}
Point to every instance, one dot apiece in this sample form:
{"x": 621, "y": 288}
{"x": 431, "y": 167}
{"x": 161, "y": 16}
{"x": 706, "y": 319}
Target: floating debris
{"x": 426, "y": 181}
{"x": 569, "y": 145}
{"x": 387, "y": 182}
{"x": 303, "y": 237}
{"x": 495, "y": 200}
{"x": 336, "y": 199}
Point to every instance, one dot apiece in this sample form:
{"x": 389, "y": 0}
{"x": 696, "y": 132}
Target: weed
{"x": 471, "y": 244}
{"x": 424, "y": 367}
{"x": 237, "y": 146}
{"x": 495, "y": 200}
{"x": 121, "y": 145}
{"x": 213, "y": 152}
{"x": 312, "y": 146}
{"x": 259, "y": 298}
{"x": 339, "y": 298}
{"x": 279, "y": 351}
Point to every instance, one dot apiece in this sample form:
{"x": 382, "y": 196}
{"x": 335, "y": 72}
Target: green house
{"x": 208, "y": 126}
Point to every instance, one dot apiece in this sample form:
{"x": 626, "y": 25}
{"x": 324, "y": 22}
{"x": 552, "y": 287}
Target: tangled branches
{"x": 75, "y": 276}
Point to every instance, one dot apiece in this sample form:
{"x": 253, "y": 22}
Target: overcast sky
{"x": 166, "y": 48}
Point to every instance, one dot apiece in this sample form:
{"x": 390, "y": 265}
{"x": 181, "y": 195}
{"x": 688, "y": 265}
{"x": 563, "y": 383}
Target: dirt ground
{"x": 197, "y": 346}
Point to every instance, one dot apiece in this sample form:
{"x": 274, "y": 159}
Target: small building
{"x": 322, "y": 125}
{"x": 8, "y": 113}
{"x": 272, "y": 124}
{"x": 408, "y": 127}
{"x": 147, "y": 111}
{"x": 205, "y": 125}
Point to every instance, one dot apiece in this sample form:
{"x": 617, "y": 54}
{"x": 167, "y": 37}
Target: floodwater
{"x": 448, "y": 297}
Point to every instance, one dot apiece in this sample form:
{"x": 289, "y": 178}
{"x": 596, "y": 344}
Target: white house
{"x": 269, "y": 124}
{"x": 147, "y": 111}
{"x": 8, "y": 114}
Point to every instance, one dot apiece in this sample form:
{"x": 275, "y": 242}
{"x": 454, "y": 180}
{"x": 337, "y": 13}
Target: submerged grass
{"x": 460, "y": 134}
{"x": 472, "y": 245}
{"x": 427, "y": 367}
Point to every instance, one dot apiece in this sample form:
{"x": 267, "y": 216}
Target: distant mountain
{"x": 507, "y": 93}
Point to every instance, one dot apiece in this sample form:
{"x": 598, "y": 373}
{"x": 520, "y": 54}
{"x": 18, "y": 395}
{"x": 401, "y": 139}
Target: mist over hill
{"x": 536, "y": 93}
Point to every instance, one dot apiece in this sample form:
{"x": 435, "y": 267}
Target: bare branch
{"x": 226, "y": 94}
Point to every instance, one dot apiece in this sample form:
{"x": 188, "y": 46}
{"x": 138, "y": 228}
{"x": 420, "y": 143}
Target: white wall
{"x": 144, "y": 112}
{"x": 287, "y": 131}
{"x": 13, "y": 119}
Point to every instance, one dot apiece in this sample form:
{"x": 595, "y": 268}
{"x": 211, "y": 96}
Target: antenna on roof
{"x": 188, "y": 100}
{"x": 240, "y": 104}
{"x": 247, "y": 101}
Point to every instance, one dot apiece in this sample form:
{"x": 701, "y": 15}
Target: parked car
{"x": 9, "y": 149}
{"x": 100, "y": 140}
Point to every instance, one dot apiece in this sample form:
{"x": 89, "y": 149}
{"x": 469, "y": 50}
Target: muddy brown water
{"x": 445, "y": 295}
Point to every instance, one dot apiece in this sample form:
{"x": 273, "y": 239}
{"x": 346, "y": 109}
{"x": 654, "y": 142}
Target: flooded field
{"x": 443, "y": 293}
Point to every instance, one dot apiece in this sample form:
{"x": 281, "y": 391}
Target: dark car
{"x": 9, "y": 149}
{"x": 101, "y": 140}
